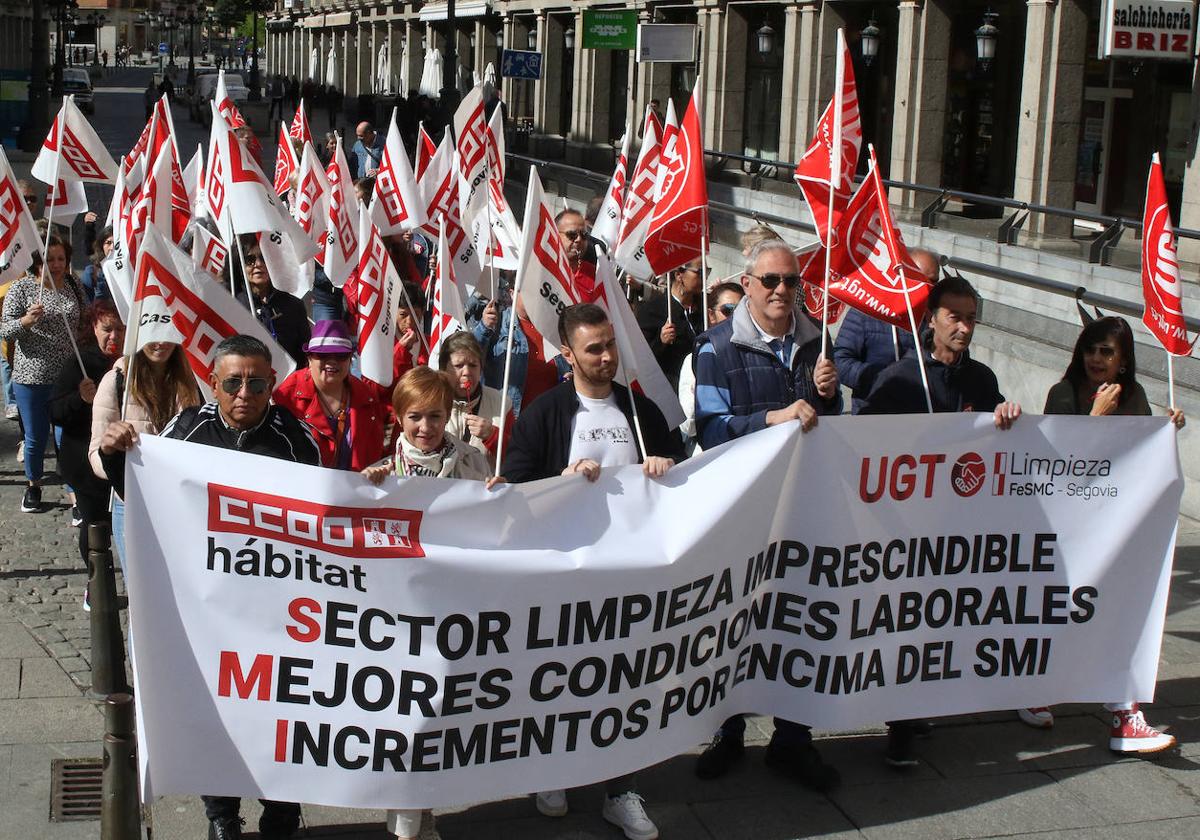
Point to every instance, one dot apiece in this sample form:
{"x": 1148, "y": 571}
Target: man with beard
{"x": 581, "y": 253}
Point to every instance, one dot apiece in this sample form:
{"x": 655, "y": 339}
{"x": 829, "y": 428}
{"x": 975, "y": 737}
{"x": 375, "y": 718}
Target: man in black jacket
{"x": 578, "y": 427}
{"x": 587, "y": 422}
{"x": 671, "y": 338}
{"x": 242, "y": 419}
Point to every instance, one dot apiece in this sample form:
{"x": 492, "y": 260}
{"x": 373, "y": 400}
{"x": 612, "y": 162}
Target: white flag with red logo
{"x": 178, "y": 304}
{"x": 1161, "y": 288}
{"x": 153, "y": 205}
{"x": 193, "y": 182}
{"x": 470, "y": 129}
{"x": 225, "y": 104}
{"x": 426, "y": 149}
{"x": 679, "y": 228}
{"x": 342, "y": 223}
{"x": 72, "y": 151}
{"x": 448, "y": 315}
{"x": 608, "y": 220}
{"x": 396, "y": 201}
{"x": 209, "y": 253}
{"x": 285, "y": 161}
{"x": 440, "y": 195}
{"x": 164, "y": 133}
{"x": 375, "y": 288}
{"x": 638, "y": 367}
{"x": 311, "y": 207}
{"x": 835, "y": 148}
{"x": 18, "y": 235}
{"x": 240, "y": 196}
{"x": 638, "y": 208}
{"x": 506, "y": 232}
{"x": 544, "y": 276}
{"x": 870, "y": 268}
{"x": 300, "y": 129}
{"x": 66, "y": 200}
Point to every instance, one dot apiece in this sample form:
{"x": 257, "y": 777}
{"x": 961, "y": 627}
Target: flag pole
{"x": 237, "y": 241}
{"x": 896, "y": 340}
{"x": 49, "y": 222}
{"x": 912, "y": 320}
{"x": 411, "y": 308}
{"x": 1170, "y": 380}
{"x": 513, "y": 326}
{"x": 835, "y": 180}
{"x": 637, "y": 421}
{"x": 704, "y": 271}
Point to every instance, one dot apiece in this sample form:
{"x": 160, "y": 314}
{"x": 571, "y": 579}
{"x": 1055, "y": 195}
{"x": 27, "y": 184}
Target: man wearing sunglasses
{"x": 242, "y": 418}
{"x": 671, "y": 339}
{"x": 580, "y": 250}
{"x": 760, "y": 368}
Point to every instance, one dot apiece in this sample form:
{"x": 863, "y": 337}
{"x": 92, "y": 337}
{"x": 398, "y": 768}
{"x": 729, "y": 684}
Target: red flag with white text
{"x": 835, "y": 148}
{"x": 300, "y": 128}
{"x": 679, "y": 227}
{"x": 1161, "y": 289}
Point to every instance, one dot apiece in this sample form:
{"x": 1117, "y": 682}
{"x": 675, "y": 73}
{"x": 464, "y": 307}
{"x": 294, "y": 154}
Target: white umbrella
{"x": 431, "y": 74}
{"x": 331, "y": 67}
{"x": 463, "y": 80}
{"x": 489, "y": 74}
{"x": 404, "y": 86}
{"x": 314, "y": 64}
{"x": 381, "y": 74}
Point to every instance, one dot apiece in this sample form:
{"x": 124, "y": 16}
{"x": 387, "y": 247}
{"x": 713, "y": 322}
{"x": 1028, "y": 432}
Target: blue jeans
{"x": 33, "y": 401}
{"x": 118, "y": 533}
{"x": 58, "y": 435}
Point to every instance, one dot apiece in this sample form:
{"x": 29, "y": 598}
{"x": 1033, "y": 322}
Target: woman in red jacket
{"x": 346, "y": 415}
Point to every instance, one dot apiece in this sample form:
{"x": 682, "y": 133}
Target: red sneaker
{"x": 1131, "y": 734}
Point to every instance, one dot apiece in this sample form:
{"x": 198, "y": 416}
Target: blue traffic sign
{"x": 521, "y": 64}
{"x": 162, "y": 48}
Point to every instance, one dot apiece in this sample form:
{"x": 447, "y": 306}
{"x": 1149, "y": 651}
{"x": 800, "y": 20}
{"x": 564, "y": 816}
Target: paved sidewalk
{"x": 981, "y": 776}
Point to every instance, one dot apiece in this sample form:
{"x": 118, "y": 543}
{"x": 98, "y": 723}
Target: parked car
{"x": 206, "y": 88}
{"x": 77, "y": 82}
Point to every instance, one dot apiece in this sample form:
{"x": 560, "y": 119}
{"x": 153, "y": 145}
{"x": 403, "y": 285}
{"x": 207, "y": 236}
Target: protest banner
{"x": 302, "y": 635}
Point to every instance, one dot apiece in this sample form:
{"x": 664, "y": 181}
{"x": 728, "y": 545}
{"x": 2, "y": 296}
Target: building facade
{"x": 1044, "y": 121}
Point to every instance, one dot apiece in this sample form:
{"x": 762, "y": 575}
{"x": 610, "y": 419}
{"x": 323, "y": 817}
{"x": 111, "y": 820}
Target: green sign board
{"x": 609, "y": 30}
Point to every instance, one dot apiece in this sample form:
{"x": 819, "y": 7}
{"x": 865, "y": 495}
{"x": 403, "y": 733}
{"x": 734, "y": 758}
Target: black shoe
{"x": 922, "y": 728}
{"x": 900, "y": 752}
{"x": 719, "y": 756}
{"x": 805, "y": 765}
{"x": 76, "y": 516}
{"x": 279, "y": 823}
{"x": 32, "y": 501}
{"x": 225, "y": 828}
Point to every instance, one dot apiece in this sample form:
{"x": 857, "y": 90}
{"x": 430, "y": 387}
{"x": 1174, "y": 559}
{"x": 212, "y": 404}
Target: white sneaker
{"x": 627, "y": 813}
{"x": 10, "y": 412}
{"x": 1039, "y": 717}
{"x": 552, "y": 803}
{"x": 412, "y": 824}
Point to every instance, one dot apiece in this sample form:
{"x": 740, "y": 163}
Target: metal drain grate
{"x": 75, "y": 789}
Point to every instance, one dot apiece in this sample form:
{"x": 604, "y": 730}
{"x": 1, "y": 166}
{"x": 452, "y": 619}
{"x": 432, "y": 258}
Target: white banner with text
{"x": 302, "y": 635}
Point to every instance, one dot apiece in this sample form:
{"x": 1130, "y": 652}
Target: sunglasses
{"x": 727, "y": 309}
{"x": 571, "y": 234}
{"x": 770, "y": 281}
{"x": 251, "y": 259}
{"x": 256, "y": 385}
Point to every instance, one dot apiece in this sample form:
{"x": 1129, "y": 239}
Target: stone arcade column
{"x": 547, "y": 92}
{"x": 800, "y": 106}
{"x": 1051, "y": 104}
{"x": 922, "y": 67}
{"x": 723, "y": 77}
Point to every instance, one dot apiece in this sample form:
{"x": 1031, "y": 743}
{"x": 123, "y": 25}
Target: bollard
{"x": 108, "y": 646}
{"x": 120, "y": 809}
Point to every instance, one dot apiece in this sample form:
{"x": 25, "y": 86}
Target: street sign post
{"x": 521, "y": 64}
{"x": 607, "y": 29}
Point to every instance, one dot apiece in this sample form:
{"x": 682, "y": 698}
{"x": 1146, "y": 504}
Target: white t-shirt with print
{"x": 601, "y": 432}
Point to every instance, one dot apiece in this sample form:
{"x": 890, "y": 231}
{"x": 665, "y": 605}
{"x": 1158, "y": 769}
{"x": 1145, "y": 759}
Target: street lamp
{"x": 169, "y": 25}
{"x": 255, "y": 93}
{"x": 500, "y": 41}
{"x": 190, "y": 19}
{"x": 533, "y": 37}
{"x": 985, "y": 40}
{"x": 766, "y": 39}
{"x": 153, "y": 19}
{"x": 569, "y": 38}
{"x": 63, "y": 15}
{"x": 870, "y": 42}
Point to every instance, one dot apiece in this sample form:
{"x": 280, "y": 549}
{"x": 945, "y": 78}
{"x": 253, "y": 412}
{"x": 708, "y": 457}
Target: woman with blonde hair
{"x": 160, "y": 384}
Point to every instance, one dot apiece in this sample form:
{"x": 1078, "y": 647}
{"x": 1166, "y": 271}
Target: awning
{"x": 467, "y": 9}
{"x": 321, "y": 21}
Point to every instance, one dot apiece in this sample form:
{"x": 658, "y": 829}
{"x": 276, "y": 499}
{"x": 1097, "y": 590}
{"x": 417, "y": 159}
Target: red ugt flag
{"x": 680, "y": 222}
{"x": 835, "y": 149}
{"x": 1161, "y": 288}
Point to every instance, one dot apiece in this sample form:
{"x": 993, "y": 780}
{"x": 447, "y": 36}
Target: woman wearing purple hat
{"x": 346, "y": 415}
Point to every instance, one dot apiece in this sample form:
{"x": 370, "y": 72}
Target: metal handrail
{"x": 1057, "y": 287}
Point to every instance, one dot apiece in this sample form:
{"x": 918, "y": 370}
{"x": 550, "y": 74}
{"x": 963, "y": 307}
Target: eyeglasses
{"x": 256, "y": 385}
{"x": 1103, "y": 350}
{"x": 571, "y": 234}
{"x": 770, "y": 281}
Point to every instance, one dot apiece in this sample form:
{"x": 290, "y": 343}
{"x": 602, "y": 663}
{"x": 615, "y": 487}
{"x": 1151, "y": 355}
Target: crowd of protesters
{"x": 752, "y": 359}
